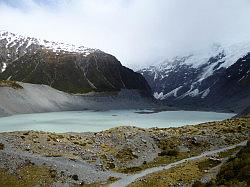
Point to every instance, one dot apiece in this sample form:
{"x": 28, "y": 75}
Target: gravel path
{"x": 89, "y": 173}
{"x": 125, "y": 181}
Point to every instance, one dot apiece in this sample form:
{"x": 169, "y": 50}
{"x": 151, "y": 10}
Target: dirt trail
{"x": 85, "y": 171}
{"x": 125, "y": 181}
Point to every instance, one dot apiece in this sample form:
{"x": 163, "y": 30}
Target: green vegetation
{"x": 28, "y": 176}
{"x": 171, "y": 152}
{"x": 126, "y": 155}
{"x": 131, "y": 169}
{"x": 11, "y": 84}
{"x": 228, "y": 153}
{"x": 181, "y": 174}
{"x": 237, "y": 170}
{"x": 207, "y": 164}
{"x": 80, "y": 143}
{"x": 160, "y": 160}
{"x": 102, "y": 184}
{"x": 168, "y": 143}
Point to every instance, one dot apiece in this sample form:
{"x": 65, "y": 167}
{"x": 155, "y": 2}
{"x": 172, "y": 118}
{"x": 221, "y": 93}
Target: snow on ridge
{"x": 196, "y": 59}
{"x": 231, "y": 54}
{"x": 226, "y": 56}
{"x": 235, "y": 52}
{"x": 3, "y": 67}
{"x": 13, "y": 39}
{"x": 207, "y": 62}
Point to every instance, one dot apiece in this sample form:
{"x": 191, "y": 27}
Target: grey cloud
{"x": 137, "y": 32}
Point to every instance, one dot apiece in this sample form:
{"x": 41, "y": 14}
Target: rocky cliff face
{"x": 65, "y": 67}
{"x": 219, "y": 79}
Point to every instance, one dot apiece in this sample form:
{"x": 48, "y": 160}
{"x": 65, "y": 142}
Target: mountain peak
{"x": 204, "y": 77}
{"x": 11, "y": 40}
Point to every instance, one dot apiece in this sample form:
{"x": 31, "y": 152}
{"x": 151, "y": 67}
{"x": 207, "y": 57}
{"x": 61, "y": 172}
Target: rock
{"x": 75, "y": 177}
{"x": 1, "y": 146}
{"x": 182, "y": 149}
{"x": 110, "y": 165}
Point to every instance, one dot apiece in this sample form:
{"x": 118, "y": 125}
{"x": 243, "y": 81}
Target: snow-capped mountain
{"x": 18, "y": 42}
{"x": 14, "y": 46}
{"x": 204, "y": 78}
{"x": 70, "y": 68}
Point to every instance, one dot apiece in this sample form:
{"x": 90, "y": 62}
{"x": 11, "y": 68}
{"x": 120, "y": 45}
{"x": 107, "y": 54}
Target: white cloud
{"x": 135, "y": 31}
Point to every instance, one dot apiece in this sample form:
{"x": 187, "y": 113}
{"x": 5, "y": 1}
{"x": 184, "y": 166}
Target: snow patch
{"x": 194, "y": 93}
{"x": 162, "y": 96}
{"x": 158, "y": 95}
{"x": 13, "y": 40}
{"x": 3, "y": 67}
{"x": 205, "y": 93}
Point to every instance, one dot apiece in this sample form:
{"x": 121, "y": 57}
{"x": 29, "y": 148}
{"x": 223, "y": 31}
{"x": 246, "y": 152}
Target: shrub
{"x": 12, "y": 84}
{"x": 131, "y": 169}
{"x": 171, "y": 152}
{"x": 75, "y": 177}
{"x": 1, "y": 146}
{"x": 111, "y": 165}
{"x": 126, "y": 155}
{"x": 236, "y": 170}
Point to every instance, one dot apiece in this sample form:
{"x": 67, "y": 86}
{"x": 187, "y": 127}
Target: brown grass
{"x": 11, "y": 84}
{"x": 28, "y": 176}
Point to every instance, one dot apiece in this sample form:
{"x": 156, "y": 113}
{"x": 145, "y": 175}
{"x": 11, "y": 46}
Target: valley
{"x": 75, "y": 116}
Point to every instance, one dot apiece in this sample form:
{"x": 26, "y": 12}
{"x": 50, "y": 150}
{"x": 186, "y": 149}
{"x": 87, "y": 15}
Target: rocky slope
{"x": 244, "y": 112}
{"x": 218, "y": 79}
{"x": 102, "y": 157}
{"x": 73, "y": 69}
{"x": 19, "y": 98}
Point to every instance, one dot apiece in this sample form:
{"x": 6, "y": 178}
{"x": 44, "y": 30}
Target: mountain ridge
{"x": 201, "y": 80}
{"x": 64, "y": 66}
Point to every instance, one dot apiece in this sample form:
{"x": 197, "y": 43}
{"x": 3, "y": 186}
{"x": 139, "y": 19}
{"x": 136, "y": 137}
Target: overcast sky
{"x": 137, "y": 32}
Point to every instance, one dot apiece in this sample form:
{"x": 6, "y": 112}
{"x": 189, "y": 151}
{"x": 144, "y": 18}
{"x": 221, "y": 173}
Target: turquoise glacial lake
{"x": 93, "y": 121}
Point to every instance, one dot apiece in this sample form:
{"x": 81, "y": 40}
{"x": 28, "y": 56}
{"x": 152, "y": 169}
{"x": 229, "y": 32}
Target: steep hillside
{"x": 218, "y": 79}
{"x": 19, "y": 98}
{"x": 65, "y": 67}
